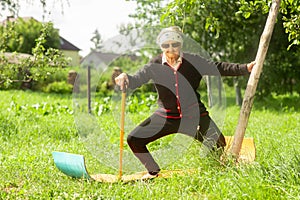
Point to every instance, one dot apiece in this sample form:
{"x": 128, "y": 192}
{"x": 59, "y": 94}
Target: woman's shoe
{"x": 149, "y": 176}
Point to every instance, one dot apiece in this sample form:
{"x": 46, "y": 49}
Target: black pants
{"x": 156, "y": 127}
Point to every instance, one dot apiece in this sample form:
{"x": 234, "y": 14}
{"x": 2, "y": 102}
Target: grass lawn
{"x": 33, "y": 125}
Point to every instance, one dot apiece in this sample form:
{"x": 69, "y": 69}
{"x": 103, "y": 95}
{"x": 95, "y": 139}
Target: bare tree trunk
{"x": 254, "y": 78}
{"x": 214, "y": 97}
{"x": 220, "y": 89}
{"x": 238, "y": 93}
{"x": 89, "y": 88}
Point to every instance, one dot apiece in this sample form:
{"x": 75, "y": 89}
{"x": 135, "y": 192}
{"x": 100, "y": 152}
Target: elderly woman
{"x": 176, "y": 76}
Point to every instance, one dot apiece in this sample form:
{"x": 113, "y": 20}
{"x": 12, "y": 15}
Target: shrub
{"x": 59, "y": 87}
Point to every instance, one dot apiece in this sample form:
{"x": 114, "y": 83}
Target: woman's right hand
{"x": 122, "y": 80}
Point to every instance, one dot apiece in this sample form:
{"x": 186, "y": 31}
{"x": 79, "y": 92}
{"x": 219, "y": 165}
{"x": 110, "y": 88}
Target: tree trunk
{"x": 238, "y": 93}
{"x": 254, "y": 78}
{"x": 220, "y": 90}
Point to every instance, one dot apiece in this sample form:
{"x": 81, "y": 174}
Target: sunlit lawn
{"x": 30, "y": 133}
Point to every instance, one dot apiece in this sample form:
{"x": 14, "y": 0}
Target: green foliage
{"x": 218, "y": 26}
{"x": 141, "y": 102}
{"x": 127, "y": 64}
{"x": 230, "y": 31}
{"x": 42, "y": 63}
{"x": 104, "y": 83}
{"x": 96, "y": 40}
{"x": 281, "y": 72}
{"x": 102, "y": 106}
{"x": 40, "y": 109}
{"x": 59, "y": 87}
{"x": 290, "y": 10}
{"x": 24, "y": 34}
{"x": 60, "y": 75}
{"x": 147, "y": 12}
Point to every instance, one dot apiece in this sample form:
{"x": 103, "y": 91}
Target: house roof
{"x": 15, "y": 58}
{"x": 100, "y": 59}
{"x": 66, "y": 45}
{"x": 14, "y": 19}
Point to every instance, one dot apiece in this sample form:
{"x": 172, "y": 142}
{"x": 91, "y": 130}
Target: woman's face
{"x": 171, "y": 49}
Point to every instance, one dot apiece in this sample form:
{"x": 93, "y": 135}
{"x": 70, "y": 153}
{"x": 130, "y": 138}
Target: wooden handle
{"x": 122, "y": 130}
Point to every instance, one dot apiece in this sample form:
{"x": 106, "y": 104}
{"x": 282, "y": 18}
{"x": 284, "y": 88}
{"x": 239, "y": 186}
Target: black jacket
{"x": 177, "y": 90}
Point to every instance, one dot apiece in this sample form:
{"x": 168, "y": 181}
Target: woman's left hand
{"x": 250, "y": 66}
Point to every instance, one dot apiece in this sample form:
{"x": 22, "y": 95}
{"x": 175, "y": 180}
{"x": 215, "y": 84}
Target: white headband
{"x": 169, "y": 35}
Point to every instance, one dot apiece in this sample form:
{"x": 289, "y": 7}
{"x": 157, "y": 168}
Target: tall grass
{"x": 32, "y": 125}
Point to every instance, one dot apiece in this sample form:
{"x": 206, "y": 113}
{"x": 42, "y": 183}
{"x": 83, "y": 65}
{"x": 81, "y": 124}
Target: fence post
{"x": 89, "y": 88}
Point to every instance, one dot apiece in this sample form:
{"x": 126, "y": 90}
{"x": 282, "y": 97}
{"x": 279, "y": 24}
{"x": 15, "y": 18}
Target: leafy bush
{"x": 60, "y": 75}
{"x": 42, "y": 61}
{"x": 59, "y": 87}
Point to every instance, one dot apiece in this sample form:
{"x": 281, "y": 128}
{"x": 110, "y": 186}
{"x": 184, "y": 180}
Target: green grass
{"x": 32, "y": 125}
